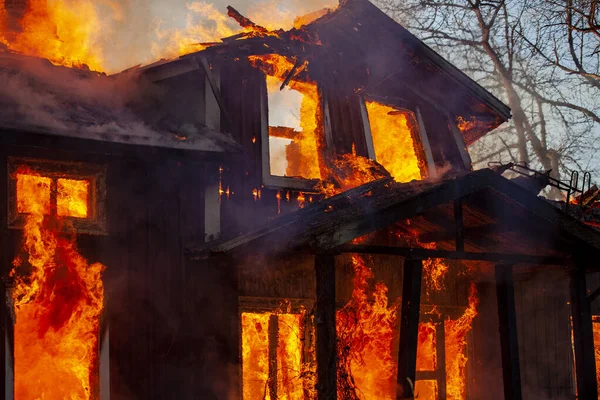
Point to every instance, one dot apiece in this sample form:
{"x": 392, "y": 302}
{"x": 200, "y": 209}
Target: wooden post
{"x": 273, "y": 342}
{"x": 440, "y": 349}
{"x": 325, "y": 327}
{"x": 509, "y": 345}
{"x": 458, "y": 219}
{"x": 583, "y": 337}
{"x": 409, "y": 328}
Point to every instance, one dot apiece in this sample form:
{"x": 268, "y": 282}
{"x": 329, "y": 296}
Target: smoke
{"x": 138, "y": 32}
{"x": 41, "y": 97}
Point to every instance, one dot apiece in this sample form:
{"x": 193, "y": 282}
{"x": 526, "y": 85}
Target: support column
{"x": 440, "y": 343}
{"x": 509, "y": 341}
{"x": 325, "y": 327}
{"x": 583, "y": 336}
{"x": 409, "y": 328}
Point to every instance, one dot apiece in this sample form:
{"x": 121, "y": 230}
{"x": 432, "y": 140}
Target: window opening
{"x": 58, "y": 295}
{"x": 294, "y": 126}
{"x": 274, "y": 364}
{"x": 396, "y": 141}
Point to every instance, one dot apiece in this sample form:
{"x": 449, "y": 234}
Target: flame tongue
{"x": 58, "y": 305}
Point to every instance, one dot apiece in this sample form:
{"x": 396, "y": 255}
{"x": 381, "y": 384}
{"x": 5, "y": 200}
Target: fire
{"x": 596, "y": 327}
{"x": 58, "y": 302}
{"x": 456, "y": 342}
{"x": 365, "y": 331}
{"x": 66, "y": 32}
{"x": 393, "y": 140}
{"x": 288, "y": 373}
{"x": 71, "y": 198}
{"x": 301, "y": 152}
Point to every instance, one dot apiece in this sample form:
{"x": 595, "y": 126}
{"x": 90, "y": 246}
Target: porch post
{"x": 583, "y": 336}
{"x": 409, "y": 328}
{"x": 325, "y": 327}
{"x": 511, "y": 373}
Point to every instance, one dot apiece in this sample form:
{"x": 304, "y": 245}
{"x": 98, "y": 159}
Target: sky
{"x": 141, "y": 31}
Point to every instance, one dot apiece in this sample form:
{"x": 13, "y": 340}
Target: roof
{"x": 499, "y": 216}
{"x": 39, "y": 97}
{"x": 360, "y": 39}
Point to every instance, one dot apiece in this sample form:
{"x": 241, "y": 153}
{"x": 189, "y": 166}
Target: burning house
{"x": 281, "y": 215}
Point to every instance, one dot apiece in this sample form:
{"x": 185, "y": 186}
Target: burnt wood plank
{"x": 409, "y": 328}
{"x": 509, "y": 342}
{"x": 583, "y": 336}
{"x": 325, "y": 327}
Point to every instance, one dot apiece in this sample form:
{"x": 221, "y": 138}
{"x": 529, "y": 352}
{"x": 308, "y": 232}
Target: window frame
{"x": 95, "y": 174}
{"x": 261, "y": 305}
{"x": 400, "y": 104}
{"x": 288, "y": 182}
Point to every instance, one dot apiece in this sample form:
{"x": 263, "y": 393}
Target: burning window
{"x": 427, "y": 362}
{"x": 293, "y": 134}
{"x": 58, "y": 295}
{"x": 274, "y": 364}
{"x": 71, "y": 191}
{"x": 396, "y": 141}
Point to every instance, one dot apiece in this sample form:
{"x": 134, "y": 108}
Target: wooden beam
{"x": 273, "y": 339}
{"x": 583, "y": 336}
{"x": 451, "y": 255}
{"x": 594, "y": 295}
{"x": 215, "y": 89}
{"x": 440, "y": 349}
{"x": 508, "y": 332}
{"x": 325, "y": 327}
{"x": 409, "y": 328}
{"x": 459, "y": 225}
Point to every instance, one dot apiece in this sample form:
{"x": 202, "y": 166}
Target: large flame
{"x": 365, "y": 330}
{"x": 393, "y": 141}
{"x": 58, "y": 303}
{"x": 66, "y": 32}
{"x": 456, "y": 342}
{"x": 292, "y": 377}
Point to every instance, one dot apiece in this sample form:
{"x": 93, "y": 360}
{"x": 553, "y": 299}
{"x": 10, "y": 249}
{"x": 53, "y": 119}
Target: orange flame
{"x": 291, "y": 373}
{"x": 58, "y": 303}
{"x": 456, "y": 342}
{"x": 365, "y": 330}
{"x": 66, "y": 32}
{"x": 393, "y": 141}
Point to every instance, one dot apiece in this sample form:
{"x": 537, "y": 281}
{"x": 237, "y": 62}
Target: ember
{"x": 59, "y": 301}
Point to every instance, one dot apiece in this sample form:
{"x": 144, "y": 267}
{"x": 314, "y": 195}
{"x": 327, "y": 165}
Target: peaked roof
{"x": 494, "y": 206}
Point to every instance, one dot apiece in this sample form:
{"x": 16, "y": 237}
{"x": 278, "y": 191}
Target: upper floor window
{"x": 73, "y": 191}
{"x": 397, "y": 140}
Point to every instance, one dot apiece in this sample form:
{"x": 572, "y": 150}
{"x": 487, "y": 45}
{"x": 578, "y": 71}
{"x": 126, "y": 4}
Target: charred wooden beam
{"x": 583, "y": 336}
{"x": 283, "y": 132}
{"x": 299, "y": 62}
{"x": 508, "y": 332}
{"x": 451, "y": 255}
{"x": 244, "y": 21}
{"x": 409, "y": 328}
{"x": 215, "y": 89}
{"x": 594, "y": 295}
{"x": 273, "y": 339}
{"x": 459, "y": 225}
{"x": 325, "y": 327}
{"x": 440, "y": 349}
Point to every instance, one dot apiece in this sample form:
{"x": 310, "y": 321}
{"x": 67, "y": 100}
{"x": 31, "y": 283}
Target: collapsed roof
{"x": 375, "y": 54}
{"x": 39, "y": 97}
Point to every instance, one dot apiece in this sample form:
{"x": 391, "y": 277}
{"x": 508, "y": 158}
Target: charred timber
{"x": 451, "y": 255}
{"x": 409, "y": 328}
{"x": 244, "y": 21}
{"x": 326, "y": 342}
{"x": 583, "y": 336}
{"x": 509, "y": 344}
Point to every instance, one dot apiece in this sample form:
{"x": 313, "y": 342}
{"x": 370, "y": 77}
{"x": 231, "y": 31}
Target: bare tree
{"x": 512, "y": 48}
